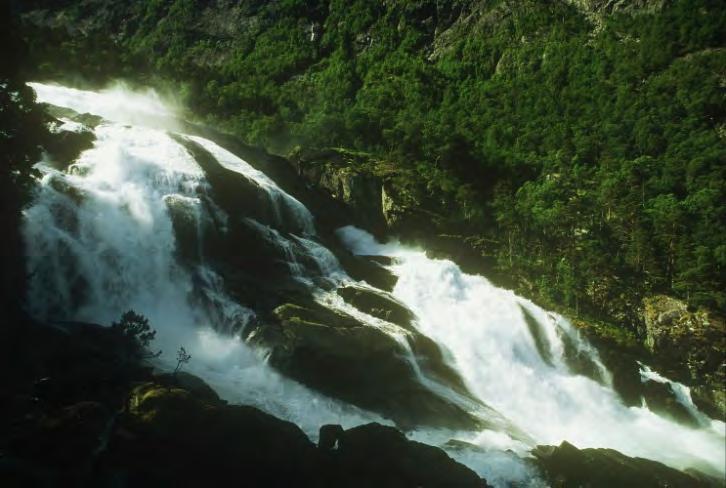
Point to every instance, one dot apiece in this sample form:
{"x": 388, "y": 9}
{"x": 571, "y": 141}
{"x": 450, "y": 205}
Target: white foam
{"x": 483, "y": 327}
{"x": 117, "y": 103}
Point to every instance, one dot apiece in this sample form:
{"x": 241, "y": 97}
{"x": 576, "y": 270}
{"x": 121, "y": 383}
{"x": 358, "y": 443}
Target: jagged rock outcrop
{"x": 689, "y": 345}
{"x": 346, "y": 178}
{"x": 397, "y": 462}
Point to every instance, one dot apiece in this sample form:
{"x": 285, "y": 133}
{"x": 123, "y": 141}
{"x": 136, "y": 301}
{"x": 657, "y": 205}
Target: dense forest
{"x": 581, "y": 146}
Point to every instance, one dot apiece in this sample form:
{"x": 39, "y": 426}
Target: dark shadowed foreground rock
{"x": 75, "y": 413}
{"x": 376, "y": 455}
{"x": 172, "y": 438}
{"x": 567, "y": 466}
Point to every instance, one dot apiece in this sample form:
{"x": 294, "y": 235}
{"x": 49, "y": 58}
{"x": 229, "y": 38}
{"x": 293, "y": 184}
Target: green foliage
{"x": 137, "y": 334}
{"x": 588, "y": 153}
{"x": 22, "y": 130}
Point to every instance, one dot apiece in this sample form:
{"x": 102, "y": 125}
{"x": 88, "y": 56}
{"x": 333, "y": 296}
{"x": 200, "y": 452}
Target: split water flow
{"x": 103, "y": 236}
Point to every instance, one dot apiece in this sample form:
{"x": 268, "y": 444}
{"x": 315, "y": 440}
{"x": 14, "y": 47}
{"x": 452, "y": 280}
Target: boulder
{"x": 184, "y": 218}
{"x": 380, "y": 305}
{"x": 661, "y": 399}
{"x": 193, "y": 384}
{"x": 428, "y": 354}
{"x": 377, "y": 455}
{"x": 382, "y": 260}
{"x": 687, "y": 346}
{"x": 174, "y": 438}
{"x": 86, "y": 119}
{"x": 235, "y": 192}
{"x": 366, "y": 269}
{"x": 567, "y": 466}
{"x": 338, "y": 355}
{"x": 170, "y": 437}
{"x": 64, "y": 147}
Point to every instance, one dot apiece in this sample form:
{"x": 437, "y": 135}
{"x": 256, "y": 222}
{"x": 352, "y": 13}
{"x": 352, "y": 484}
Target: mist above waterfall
{"x": 103, "y": 236}
{"x": 117, "y": 102}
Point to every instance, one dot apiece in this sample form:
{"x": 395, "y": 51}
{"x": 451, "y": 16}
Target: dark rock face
{"x": 567, "y": 466}
{"x": 689, "y": 348}
{"x": 376, "y": 455}
{"x": 65, "y": 146}
{"x": 377, "y": 304}
{"x": 359, "y": 191}
{"x": 74, "y": 414}
{"x": 364, "y": 268}
{"x": 173, "y": 438}
{"x": 274, "y": 452}
{"x": 429, "y": 356}
{"x": 660, "y": 399}
{"x": 329, "y": 437}
{"x": 62, "y": 386}
{"x": 344, "y": 358}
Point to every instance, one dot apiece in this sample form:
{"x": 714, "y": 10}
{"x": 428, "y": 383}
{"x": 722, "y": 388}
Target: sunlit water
{"x": 102, "y": 230}
{"x": 484, "y": 330}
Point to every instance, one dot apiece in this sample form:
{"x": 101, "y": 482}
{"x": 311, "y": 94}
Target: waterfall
{"x": 103, "y": 237}
{"x": 492, "y": 346}
{"x": 101, "y": 240}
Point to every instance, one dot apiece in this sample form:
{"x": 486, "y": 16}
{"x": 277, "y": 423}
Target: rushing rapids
{"x": 106, "y": 234}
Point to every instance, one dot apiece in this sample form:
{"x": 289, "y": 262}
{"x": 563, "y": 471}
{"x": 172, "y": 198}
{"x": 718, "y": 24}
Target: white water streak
{"x": 484, "y": 329}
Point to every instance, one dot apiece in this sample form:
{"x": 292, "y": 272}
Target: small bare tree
{"x": 182, "y": 358}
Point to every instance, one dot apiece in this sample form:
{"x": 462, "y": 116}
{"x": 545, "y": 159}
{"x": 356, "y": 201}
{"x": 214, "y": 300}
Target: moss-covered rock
{"x": 173, "y": 438}
{"x": 193, "y": 384}
{"x": 688, "y": 346}
{"x": 346, "y": 177}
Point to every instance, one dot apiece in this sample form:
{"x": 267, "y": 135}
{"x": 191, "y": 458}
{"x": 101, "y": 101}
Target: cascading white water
{"x": 681, "y": 393}
{"x": 486, "y": 334}
{"x": 101, "y": 240}
{"x": 278, "y": 199}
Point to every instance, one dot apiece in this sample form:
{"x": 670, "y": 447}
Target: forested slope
{"x": 579, "y": 143}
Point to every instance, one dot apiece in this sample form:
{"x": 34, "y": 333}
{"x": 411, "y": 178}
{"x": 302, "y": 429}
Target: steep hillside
{"x": 578, "y": 144}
